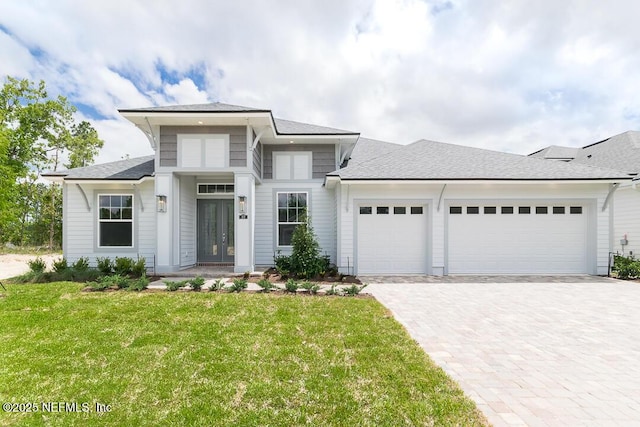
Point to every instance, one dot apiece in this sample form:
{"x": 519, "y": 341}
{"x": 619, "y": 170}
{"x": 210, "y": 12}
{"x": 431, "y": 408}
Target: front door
{"x": 215, "y": 231}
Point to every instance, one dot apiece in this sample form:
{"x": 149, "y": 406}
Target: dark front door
{"x": 215, "y": 231}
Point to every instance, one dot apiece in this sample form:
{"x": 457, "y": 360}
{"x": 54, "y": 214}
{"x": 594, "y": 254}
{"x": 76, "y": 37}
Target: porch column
{"x": 166, "y": 185}
{"x": 244, "y": 222}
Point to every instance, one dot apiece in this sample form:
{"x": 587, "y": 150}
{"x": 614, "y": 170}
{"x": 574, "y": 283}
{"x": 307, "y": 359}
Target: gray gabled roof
{"x": 213, "y": 107}
{"x": 128, "y": 169}
{"x": 557, "y": 152}
{"x": 430, "y": 160}
{"x": 367, "y": 149}
{"x": 288, "y": 127}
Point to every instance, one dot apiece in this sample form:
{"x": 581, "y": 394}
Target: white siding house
{"x": 227, "y": 185}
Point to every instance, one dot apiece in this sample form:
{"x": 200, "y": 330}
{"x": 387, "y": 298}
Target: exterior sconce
{"x": 242, "y": 207}
{"x": 161, "y": 203}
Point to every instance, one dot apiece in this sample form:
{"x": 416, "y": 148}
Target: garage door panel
{"x": 517, "y": 243}
{"x": 391, "y": 243}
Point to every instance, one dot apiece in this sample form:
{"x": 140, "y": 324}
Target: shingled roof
{"x": 128, "y": 169}
{"x": 430, "y": 160}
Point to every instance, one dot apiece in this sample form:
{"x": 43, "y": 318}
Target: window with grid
{"x": 115, "y": 221}
{"x": 291, "y": 207}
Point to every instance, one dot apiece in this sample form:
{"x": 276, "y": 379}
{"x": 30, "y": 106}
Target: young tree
{"x": 36, "y": 133}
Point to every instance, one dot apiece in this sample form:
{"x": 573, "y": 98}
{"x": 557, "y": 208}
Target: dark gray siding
{"x": 257, "y": 160}
{"x": 324, "y": 158}
{"x": 237, "y": 142}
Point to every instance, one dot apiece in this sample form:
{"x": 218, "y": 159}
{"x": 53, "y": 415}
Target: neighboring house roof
{"x": 128, "y": 169}
{"x": 283, "y": 127}
{"x": 620, "y": 152}
{"x": 557, "y": 152}
{"x": 430, "y": 160}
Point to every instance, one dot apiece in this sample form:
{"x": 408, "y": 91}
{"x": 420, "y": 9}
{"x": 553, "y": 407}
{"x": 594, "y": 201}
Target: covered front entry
{"x": 216, "y": 242}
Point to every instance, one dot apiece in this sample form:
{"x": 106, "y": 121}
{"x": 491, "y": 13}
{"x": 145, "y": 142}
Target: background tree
{"x": 37, "y": 133}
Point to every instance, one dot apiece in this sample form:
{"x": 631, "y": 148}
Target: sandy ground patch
{"x": 14, "y": 265}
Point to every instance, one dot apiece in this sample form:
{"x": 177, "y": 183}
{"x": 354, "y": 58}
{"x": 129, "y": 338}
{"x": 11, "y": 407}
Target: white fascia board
{"x": 475, "y": 181}
{"x": 109, "y": 181}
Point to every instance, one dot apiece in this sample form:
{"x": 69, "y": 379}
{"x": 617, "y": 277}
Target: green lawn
{"x": 160, "y": 358}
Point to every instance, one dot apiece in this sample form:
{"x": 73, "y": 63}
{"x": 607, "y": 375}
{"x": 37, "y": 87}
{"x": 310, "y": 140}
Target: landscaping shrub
{"x": 310, "y": 287}
{"x": 173, "y": 286}
{"x": 60, "y": 265}
{"x": 105, "y": 265}
{"x": 123, "y": 266}
{"x": 353, "y": 290}
{"x": 291, "y": 286}
{"x": 238, "y": 285}
{"x": 139, "y": 284}
{"x": 100, "y": 285}
{"x": 333, "y": 291}
{"x": 217, "y": 285}
{"x": 197, "y": 283}
{"x": 282, "y": 264}
{"x": 122, "y": 282}
{"x": 81, "y": 265}
{"x": 37, "y": 266}
{"x": 305, "y": 260}
{"x": 139, "y": 268}
{"x": 266, "y": 285}
{"x": 626, "y": 267}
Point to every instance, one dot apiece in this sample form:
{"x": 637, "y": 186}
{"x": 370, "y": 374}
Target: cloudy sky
{"x": 505, "y": 75}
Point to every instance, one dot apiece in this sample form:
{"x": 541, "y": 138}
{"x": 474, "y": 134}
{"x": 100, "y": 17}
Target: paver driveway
{"x": 552, "y": 353}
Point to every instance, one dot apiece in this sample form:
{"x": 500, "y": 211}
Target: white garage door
{"x": 392, "y": 239}
{"x": 526, "y": 238}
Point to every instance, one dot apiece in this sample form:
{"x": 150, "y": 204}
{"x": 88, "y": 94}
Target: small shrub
{"x": 282, "y": 264}
{"x": 217, "y": 285}
{"x": 310, "y": 287}
{"x": 139, "y": 284}
{"x": 173, "y": 286}
{"x": 100, "y": 285}
{"x": 81, "y": 265}
{"x": 353, "y": 290}
{"x": 139, "y": 268}
{"x": 105, "y": 265}
{"x": 123, "y": 266}
{"x": 37, "y": 266}
{"x": 305, "y": 260}
{"x": 60, "y": 265}
{"x": 266, "y": 285}
{"x": 266, "y": 274}
{"x": 238, "y": 285}
{"x": 122, "y": 282}
{"x": 84, "y": 275}
{"x": 246, "y": 275}
{"x": 291, "y": 286}
{"x": 626, "y": 267}
{"x": 333, "y": 290}
{"x": 197, "y": 283}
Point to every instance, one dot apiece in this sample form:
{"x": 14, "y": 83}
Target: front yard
{"x": 159, "y": 358}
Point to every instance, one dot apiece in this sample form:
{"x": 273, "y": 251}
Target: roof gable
{"x": 128, "y": 169}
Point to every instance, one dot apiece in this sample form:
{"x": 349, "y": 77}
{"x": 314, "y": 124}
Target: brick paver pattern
{"x": 536, "y": 354}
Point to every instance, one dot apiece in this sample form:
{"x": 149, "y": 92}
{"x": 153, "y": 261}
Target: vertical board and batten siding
{"x": 81, "y": 225}
{"x": 626, "y": 206}
{"x": 323, "y": 158}
{"x": 257, "y": 160}
{"x": 169, "y": 142}
{"x": 322, "y": 206}
{"x": 187, "y": 221}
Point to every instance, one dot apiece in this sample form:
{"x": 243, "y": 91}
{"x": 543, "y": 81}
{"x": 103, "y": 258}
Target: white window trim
{"x": 278, "y": 223}
{"x": 290, "y": 154}
{"x": 202, "y": 137}
{"x": 132, "y": 221}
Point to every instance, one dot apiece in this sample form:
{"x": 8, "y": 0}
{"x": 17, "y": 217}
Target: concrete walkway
{"x": 537, "y": 354}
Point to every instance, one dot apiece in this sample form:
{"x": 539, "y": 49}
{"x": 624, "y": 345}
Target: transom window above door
{"x": 291, "y": 207}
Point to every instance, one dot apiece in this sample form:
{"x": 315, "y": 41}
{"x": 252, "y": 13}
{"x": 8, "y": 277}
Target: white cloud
{"x": 503, "y": 75}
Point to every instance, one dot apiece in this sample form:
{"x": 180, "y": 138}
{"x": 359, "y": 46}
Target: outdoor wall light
{"x": 161, "y": 203}
{"x": 242, "y": 205}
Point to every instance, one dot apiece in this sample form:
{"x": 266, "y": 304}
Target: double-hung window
{"x": 291, "y": 207}
{"x": 115, "y": 221}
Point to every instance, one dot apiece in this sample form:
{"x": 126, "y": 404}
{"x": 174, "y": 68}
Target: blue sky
{"x": 513, "y": 76}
